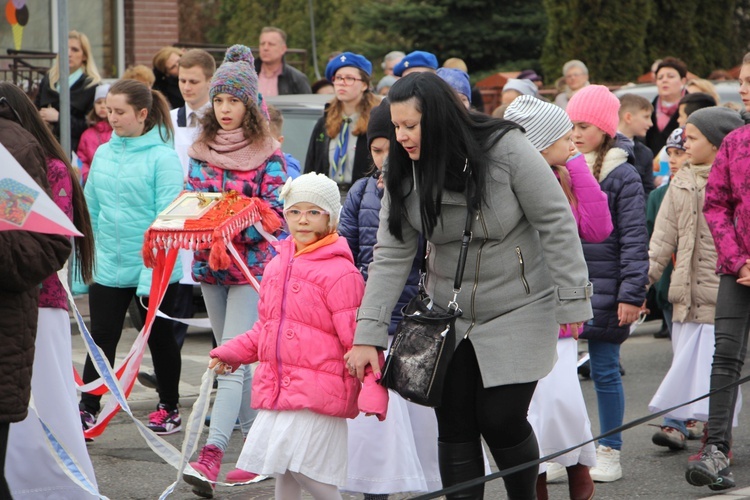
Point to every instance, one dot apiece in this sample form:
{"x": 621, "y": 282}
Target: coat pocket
{"x": 522, "y": 271}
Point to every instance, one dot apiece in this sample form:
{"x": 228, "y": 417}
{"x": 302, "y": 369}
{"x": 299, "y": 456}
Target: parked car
{"x": 300, "y": 113}
{"x": 729, "y": 91}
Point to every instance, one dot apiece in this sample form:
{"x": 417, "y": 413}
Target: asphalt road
{"x": 127, "y": 469}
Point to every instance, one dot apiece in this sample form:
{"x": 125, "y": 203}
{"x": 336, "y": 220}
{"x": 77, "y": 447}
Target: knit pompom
{"x": 237, "y": 53}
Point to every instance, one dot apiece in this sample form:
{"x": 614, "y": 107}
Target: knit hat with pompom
{"x": 317, "y": 189}
{"x": 236, "y": 76}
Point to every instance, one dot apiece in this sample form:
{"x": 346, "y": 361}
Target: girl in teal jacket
{"x": 132, "y": 179}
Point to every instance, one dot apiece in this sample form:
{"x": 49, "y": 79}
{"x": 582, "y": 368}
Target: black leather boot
{"x": 460, "y": 462}
{"x": 522, "y": 484}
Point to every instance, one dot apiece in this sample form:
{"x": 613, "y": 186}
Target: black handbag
{"x": 425, "y": 340}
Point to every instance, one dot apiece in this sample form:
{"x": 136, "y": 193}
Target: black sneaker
{"x": 88, "y": 420}
{"x": 148, "y": 380}
{"x": 711, "y": 470}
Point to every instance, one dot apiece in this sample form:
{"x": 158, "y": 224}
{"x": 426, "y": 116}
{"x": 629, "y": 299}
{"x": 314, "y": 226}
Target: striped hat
{"x": 544, "y": 122}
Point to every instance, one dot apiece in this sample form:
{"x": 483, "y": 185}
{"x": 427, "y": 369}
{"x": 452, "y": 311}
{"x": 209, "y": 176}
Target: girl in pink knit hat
{"x": 618, "y": 266}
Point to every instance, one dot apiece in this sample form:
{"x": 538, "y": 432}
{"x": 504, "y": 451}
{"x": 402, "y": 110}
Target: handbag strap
{"x": 465, "y": 240}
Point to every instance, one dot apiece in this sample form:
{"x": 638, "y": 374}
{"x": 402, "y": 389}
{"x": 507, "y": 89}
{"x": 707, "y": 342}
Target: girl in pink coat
{"x": 558, "y": 411}
{"x": 97, "y": 134}
{"x": 306, "y": 319}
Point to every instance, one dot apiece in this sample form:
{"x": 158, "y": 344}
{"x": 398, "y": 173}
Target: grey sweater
{"x": 525, "y": 272}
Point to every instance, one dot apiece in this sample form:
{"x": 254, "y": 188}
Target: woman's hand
{"x": 744, "y": 274}
{"x": 627, "y": 313}
{"x": 573, "y": 328}
{"x": 219, "y": 366}
{"x": 359, "y": 357}
{"x": 50, "y": 115}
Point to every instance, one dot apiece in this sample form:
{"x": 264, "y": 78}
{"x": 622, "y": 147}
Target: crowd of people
{"x": 573, "y": 222}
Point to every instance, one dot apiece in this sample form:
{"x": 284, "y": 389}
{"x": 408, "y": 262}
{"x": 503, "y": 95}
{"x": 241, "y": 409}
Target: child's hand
{"x": 627, "y": 313}
{"x": 219, "y": 366}
{"x": 744, "y": 274}
{"x": 573, "y": 328}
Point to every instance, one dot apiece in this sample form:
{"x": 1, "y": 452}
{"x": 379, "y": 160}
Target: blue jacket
{"x": 132, "y": 179}
{"x": 360, "y": 218}
{"x": 618, "y": 266}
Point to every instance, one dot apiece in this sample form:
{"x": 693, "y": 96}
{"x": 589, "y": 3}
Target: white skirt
{"x": 298, "y": 441}
{"x": 30, "y": 467}
{"x": 690, "y": 374}
{"x": 406, "y": 444}
{"x": 558, "y": 411}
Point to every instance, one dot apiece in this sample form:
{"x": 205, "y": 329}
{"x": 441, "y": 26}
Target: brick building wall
{"x": 149, "y": 26}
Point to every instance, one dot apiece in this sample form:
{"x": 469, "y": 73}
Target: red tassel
{"x": 148, "y": 253}
{"x": 218, "y": 258}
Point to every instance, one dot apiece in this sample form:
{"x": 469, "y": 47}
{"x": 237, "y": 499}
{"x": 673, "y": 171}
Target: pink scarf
{"x": 230, "y": 150}
{"x": 664, "y": 113}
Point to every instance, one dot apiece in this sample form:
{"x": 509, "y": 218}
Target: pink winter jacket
{"x": 592, "y": 209}
{"x": 306, "y": 321}
{"x": 727, "y": 205}
{"x": 91, "y": 139}
{"x": 52, "y": 294}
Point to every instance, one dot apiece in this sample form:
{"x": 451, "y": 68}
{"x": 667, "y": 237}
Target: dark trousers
{"x": 731, "y": 329}
{"x": 4, "y": 490}
{"x": 107, "y": 307}
{"x": 183, "y": 308}
{"x": 469, "y": 409}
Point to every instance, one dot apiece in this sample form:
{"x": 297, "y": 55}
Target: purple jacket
{"x": 727, "y": 206}
{"x": 52, "y": 294}
{"x": 592, "y": 208}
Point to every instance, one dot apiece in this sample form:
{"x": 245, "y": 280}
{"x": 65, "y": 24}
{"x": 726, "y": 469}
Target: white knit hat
{"x": 101, "y": 91}
{"x": 544, "y": 122}
{"x": 317, "y": 189}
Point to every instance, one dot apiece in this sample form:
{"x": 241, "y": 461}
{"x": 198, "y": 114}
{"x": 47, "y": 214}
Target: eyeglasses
{"x": 346, "y": 80}
{"x": 313, "y": 215}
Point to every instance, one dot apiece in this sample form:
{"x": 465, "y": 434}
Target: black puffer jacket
{"x": 26, "y": 259}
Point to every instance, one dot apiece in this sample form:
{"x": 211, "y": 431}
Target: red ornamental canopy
{"x": 228, "y": 215}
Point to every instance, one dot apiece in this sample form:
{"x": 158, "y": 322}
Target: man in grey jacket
{"x": 275, "y": 76}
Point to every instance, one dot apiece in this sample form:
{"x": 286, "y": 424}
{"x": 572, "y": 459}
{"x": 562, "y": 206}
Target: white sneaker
{"x": 607, "y": 467}
{"x": 555, "y": 472}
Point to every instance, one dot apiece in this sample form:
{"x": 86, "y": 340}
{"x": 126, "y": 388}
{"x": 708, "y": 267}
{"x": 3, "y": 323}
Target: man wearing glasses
{"x": 576, "y": 76}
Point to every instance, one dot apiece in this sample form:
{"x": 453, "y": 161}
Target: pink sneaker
{"x": 208, "y": 466}
{"x": 243, "y": 476}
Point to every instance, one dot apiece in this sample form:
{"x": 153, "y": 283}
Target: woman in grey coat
{"x": 525, "y": 273}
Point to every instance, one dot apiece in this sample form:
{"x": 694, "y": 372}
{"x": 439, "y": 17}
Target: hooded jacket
{"x": 132, "y": 180}
{"x": 28, "y": 258}
{"x": 618, "y": 266}
{"x": 681, "y": 229}
{"x": 306, "y": 320}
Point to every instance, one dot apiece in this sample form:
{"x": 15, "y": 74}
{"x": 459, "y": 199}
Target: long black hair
{"x": 28, "y": 117}
{"x": 454, "y": 143}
